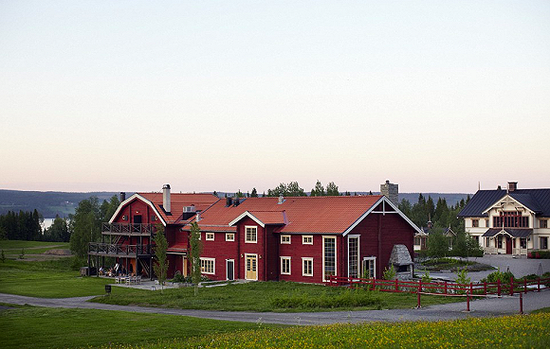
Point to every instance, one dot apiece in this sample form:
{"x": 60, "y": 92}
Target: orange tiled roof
{"x": 322, "y": 214}
{"x": 178, "y": 201}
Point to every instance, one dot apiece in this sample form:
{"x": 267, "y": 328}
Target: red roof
{"x": 321, "y": 214}
{"x": 177, "y": 248}
{"x": 177, "y": 202}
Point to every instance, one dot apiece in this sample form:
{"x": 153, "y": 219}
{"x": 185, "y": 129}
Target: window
{"x": 543, "y": 223}
{"x": 209, "y": 236}
{"x": 417, "y": 240}
{"x": 369, "y": 267}
{"x": 487, "y": 223}
{"x": 285, "y": 239}
{"x": 523, "y": 243}
{"x": 307, "y": 266}
{"x": 329, "y": 256}
{"x": 207, "y": 265}
{"x": 544, "y": 243}
{"x": 229, "y": 236}
{"x": 285, "y": 265}
{"x": 307, "y": 240}
{"x": 499, "y": 241}
{"x": 475, "y": 223}
{"x": 487, "y": 242}
{"x": 353, "y": 256}
{"x": 511, "y": 220}
{"x": 251, "y": 234}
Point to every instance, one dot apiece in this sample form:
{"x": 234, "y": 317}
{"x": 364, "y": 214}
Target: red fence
{"x": 443, "y": 288}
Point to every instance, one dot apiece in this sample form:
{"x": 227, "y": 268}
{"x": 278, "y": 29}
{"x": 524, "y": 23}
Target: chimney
{"x": 122, "y": 196}
{"x": 512, "y": 186}
{"x": 391, "y": 191}
{"x": 166, "y": 198}
{"x": 281, "y": 199}
{"x": 228, "y": 201}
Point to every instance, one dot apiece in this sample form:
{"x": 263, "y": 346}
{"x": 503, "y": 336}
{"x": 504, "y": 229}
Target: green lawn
{"x": 19, "y": 244}
{"x": 48, "y": 279}
{"x": 267, "y": 296}
{"x": 30, "y": 327}
{"x": 520, "y": 331}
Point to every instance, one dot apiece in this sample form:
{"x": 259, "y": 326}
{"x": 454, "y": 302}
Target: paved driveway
{"x": 479, "y": 308}
{"x": 518, "y": 266}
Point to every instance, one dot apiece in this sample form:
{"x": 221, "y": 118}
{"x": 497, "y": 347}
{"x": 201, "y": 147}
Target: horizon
{"x": 128, "y": 95}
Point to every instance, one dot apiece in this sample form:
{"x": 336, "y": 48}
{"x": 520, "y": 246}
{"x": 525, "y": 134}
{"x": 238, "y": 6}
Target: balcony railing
{"x": 137, "y": 229}
{"x": 98, "y": 248}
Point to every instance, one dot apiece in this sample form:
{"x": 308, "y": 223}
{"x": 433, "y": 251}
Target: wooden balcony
{"x": 128, "y": 229}
{"x": 117, "y": 250}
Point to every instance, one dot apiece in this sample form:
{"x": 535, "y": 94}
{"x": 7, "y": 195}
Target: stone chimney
{"x": 391, "y": 191}
{"x": 512, "y": 186}
{"x": 166, "y": 198}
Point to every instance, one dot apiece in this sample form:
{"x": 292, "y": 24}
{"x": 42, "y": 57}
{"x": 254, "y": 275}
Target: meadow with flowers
{"x": 519, "y": 331}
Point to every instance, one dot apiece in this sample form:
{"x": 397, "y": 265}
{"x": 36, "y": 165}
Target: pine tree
{"x": 161, "y": 260}
{"x": 195, "y": 252}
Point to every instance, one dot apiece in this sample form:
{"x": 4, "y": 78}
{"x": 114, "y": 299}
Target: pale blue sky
{"x": 227, "y": 95}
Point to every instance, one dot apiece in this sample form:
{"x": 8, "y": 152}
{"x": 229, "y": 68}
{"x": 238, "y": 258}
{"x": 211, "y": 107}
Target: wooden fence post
{"x": 418, "y": 306}
{"x": 485, "y": 287}
{"x": 446, "y": 287}
{"x": 511, "y": 286}
{"x": 538, "y": 284}
{"x": 498, "y": 287}
{"x": 521, "y": 303}
{"x": 396, "y": 285}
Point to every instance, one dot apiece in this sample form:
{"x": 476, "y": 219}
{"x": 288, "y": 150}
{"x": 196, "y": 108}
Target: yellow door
{"x": 251, "y": 267}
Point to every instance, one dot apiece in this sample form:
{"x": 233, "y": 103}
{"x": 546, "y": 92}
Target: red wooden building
{"x": 302, "y": 239}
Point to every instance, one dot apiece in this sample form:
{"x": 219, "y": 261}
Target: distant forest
{"x": 51, "y": 204}
{"x": 48, "y": 203}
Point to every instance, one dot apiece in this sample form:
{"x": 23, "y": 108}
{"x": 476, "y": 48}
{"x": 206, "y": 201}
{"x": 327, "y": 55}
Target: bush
{"x": 389, "y": 273}
{"x": 539, "y": 254}
{"x": 346, "y": 299}
{"x": 499, "y": 275}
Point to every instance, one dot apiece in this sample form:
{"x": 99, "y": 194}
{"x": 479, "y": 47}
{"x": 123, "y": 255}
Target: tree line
{"x": 24, "y": 225}
{"x": 439, "y": 214}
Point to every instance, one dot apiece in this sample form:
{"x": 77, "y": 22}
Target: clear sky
{"x": 224, "y": 95}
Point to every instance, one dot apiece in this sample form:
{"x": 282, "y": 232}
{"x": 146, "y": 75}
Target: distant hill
{"x": 48, "y": 203}
{"x": 52, "y": 203}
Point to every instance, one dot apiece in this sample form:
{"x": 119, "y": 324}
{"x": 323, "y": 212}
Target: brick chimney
{"x": 166, "y": 198}
{"x": 512, "y": 186}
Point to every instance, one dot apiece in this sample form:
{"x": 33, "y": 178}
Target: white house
{"x": 512, "y": 221}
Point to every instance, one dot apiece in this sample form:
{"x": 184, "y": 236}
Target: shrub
{"x": 499, "y": 275}
{"x": 389, "y": 273}
{"x": 346, "y": 299}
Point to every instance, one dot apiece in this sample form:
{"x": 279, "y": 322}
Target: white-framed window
{"x": 353, "y": 255}
{"x": 285, "y": 239}
{"x": 329, "y": 257}
{"x": 307, "y": 266}
{"x": 209, "y": 236}
{"x": 251, "y": 234}
{"x": 307, "y": 239}
{"x": 229, "y": 236}
{"x": 543, "y": 223}
{"x": 208, "y": 265}
{"x": 285, "y": 265}
{"x": 369, "y": 267}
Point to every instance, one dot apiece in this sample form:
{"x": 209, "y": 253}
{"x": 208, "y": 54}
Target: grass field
{"x": 74, "y": 328}
{"x": 19, "y": 244}
{"x": 48, "y": 279}
{"x": 265, "y": 296}
{"x": 520, "y": 331}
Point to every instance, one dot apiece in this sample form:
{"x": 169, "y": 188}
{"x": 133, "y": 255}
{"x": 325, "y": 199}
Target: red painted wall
{"x": 394, "y": 230}
{"x": 221, "y": 250}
